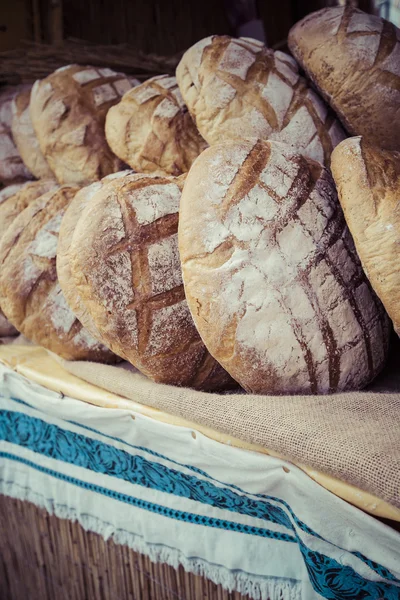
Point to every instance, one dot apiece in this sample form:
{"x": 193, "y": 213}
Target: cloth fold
{"x": 354, "y": 436}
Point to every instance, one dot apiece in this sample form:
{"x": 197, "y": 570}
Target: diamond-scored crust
{"x": 25, "y": 138}
{"x": 368, "y": 182}
{"x": 271, "y": 274}
{"x": 72, "y": 216}
{"x": 151, "y": 129}
{"x": 125, "y": 263}
{"x": 68, "y": 111}
{"x": 353, "y": 58}
{"x": 30, "y": 295}
{"x": 235, "y": 89}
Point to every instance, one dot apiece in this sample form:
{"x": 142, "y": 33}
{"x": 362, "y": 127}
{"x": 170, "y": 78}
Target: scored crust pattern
{"x": 353, "y": 59}
{"x": 271, "y": 274}
{"x": 368, "y": 183}
{"x": 30, "y": 294}
{"x": 15, "y": 198}
{"x": 125, "y": 262}
{"x": 25, "y": 137}
{"x": 12, "y": 169}
{"x": 68, "y": 111}
{"x": 151, "y": 129}
{"x": 236, "y": 88}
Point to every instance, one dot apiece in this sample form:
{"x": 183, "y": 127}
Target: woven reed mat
{"x": 354, "y": 437}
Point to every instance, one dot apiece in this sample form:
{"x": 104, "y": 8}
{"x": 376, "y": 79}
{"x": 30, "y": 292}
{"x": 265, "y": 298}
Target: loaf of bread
{"x": 9, "y": 208}
{"x": 68, "y": 224}
{"x": 353, "y": 59}
{"x": 271, "y": 275}
{"x": 125, "y": 263}
{"x": 68, "y": 111}
{"x": 12, "y": 168}
{"x": 30, "y": 295}
{"x": 151, "y": 129}
{"x": 15, "y": 198}
{"x": 239, "y": 89}
{"x": 25, "y": 137}
{"x": 368, "y": 183}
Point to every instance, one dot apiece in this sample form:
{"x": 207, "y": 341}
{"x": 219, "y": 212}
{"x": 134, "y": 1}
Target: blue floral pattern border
{"x": 329, "y": 578}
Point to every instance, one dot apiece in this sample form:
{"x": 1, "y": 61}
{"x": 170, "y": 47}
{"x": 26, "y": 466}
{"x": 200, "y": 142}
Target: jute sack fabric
{"x": 352, "y": 436}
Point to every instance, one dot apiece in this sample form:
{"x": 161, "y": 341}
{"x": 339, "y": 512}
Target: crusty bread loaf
{"x": 239, "y": 89}
{"x": 68, "y": 224}
{"x": 15, "y": 198}
{"x": 151, "y": 129}
{"x": 25, "y": 137}
{"x": 125, "y": 263}
{"x": 271, "y": 275}
{"x": 7, "y": 198}
{"x": 68, "y": 111}
{"x": 368, "y": 182}
{"x": 12, "y": 169}
{"x": 30, "y": 295}
{"x": 353, "y": 59}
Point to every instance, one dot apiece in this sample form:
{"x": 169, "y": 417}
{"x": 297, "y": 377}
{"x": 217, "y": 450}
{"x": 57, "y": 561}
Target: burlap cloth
{"x": 353, "y": 436}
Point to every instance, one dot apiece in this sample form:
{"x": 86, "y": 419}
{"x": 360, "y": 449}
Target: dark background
{"x": 164, "y": 27}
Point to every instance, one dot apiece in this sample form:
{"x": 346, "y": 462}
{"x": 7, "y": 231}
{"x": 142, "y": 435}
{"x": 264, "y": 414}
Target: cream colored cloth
{"x": 354, "y": 436}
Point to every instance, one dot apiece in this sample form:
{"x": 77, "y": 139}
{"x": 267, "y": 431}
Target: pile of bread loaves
{"x": 192, "y": 226}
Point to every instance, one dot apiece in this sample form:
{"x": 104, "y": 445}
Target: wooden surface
{"x": 46, "y": 558}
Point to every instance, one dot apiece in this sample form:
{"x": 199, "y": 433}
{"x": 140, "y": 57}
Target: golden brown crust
{"x": 151, "y": 129}
{"x": 125, "y": 263}
{"x": 69, "y": 222}
{"x": 68, "y": 111}
{"x": 271, "y": 275}
{"x": 25, "y": 138}
{"x": 239, "y": 89}
{"x": 30, "y": 295}
{"x": 12, "y": 169}
{"x": 353, "y": 59}
{"x": 368, "y": 182}
{"x": 12, "y": 205}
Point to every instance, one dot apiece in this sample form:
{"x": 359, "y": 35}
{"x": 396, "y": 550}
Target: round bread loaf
{"x": 72, "y": 216}
{"x": 368, "y": 183}
{"x": 239, "y": 89}
{"x": 353, "y": 59}
{"x": 12, "y": 169}
{"x": 25, "y": 137}
{"x": 68, "y": 111}
{"x": 125, "y": 262}
{"x": 15, "y": 198}
{"x": 7, "y": 196}
{"x": 271, "y": 275}
{"x": 30, "y": 294}
{"x": 151, "y": 129}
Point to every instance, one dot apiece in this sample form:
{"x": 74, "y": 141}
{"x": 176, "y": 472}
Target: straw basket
{"x": 46, "y": 558}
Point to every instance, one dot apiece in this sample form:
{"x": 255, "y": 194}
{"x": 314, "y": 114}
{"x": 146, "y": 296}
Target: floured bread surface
{"x": 72, "y": 216}
{"x": 239, "y": 89}
{"x": 353, "y": 58}
{"x": 271, "y": 275}
{"x": 151, "y": 129}
{"x": 25, "y": 138}
{"x": 15, "y": 198}
{"x": 68, "y": 111}
{"x": 30, "y": 295}
{"x": 368, "y": 183}
{"x": 12, "y": 168}
{"x": 125, "y": 262}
